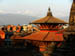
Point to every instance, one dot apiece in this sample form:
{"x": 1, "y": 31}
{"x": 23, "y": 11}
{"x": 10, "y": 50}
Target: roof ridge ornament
{"x": 49, "y": 13}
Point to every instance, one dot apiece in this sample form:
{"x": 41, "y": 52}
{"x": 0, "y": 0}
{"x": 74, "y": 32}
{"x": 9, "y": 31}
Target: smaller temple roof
{"x": 42, "y": 36}
{"x": 45, "y": 36}
{"x": 48, "y": 19}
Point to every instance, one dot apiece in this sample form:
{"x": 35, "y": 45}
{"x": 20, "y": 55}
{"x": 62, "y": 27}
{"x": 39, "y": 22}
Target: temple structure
{"x": 72, "y": 14}
{"x": 43, "y": 40}
{"x": 68, "y": 47}
{"x": 47, "y": 38}
{"x": 71, "y": 29}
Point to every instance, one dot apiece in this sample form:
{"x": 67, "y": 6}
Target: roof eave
{"x": 48, "y": 23}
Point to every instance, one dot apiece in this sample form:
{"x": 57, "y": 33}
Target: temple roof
{"x": 42, "y": 36}
{"x": 48, "y": 19}
{"x": 45, "y": 36}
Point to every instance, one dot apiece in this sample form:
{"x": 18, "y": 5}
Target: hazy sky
{"x": 59, "y": 8}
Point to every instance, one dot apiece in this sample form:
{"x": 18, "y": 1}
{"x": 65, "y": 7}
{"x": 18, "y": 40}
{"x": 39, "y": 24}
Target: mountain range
{"x": 15, "y": 19}
{"x": 18, "y": 19}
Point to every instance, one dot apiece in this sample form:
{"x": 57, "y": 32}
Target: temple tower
{"x": 68, "y": 47}
{"x": 72, "y": 14}
{"x": 71, "y": 27}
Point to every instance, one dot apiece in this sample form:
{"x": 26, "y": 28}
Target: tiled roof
{"x": 37, "y": 36}
{"x": 45, "y": 36}
{"x": 42, "y": 36}
{"x": 49, "y": 19}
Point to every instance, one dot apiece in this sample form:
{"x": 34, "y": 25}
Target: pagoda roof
{"x": 42, "y": 36}
{"x": 45, "y": 36}
{"x": 49, "y": 19}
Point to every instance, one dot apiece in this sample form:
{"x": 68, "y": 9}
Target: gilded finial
{"x": 49, "y": 9}
{"x": 49, "y": 12}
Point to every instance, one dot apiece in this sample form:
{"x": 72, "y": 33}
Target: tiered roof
{"x": 42, "y": 36}
{"x": 46, "y": 35}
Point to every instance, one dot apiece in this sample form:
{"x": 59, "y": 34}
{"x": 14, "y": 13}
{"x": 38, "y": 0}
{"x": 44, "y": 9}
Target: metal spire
{"x": 49, "y": 12}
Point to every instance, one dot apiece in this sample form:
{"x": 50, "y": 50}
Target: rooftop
{"x": 42, "y": 36}
{"x": 45, "y": 36}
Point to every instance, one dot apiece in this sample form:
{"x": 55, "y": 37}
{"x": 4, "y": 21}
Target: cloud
{"x": 1, "y": 11}
{"x": 28, "y": 12}
{"x": 16, "y": 12}
{"x": 56, "y": 13}
{"x": 24, "y": 12}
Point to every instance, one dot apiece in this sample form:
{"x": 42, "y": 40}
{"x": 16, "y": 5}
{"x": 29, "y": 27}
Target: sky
{"x": 39, "y": 8}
